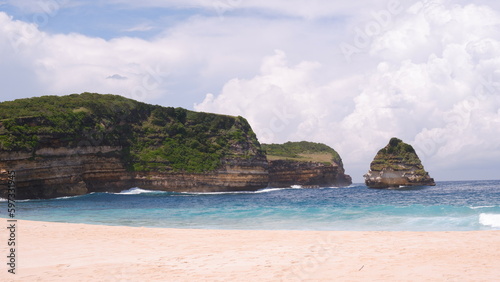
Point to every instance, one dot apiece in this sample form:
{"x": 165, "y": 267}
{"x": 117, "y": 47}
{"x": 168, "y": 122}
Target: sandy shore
{"x": 78, "y": 252}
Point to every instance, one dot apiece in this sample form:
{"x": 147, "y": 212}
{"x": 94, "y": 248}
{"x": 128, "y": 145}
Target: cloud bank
{"x": 436, "y": 85}
{"x": 351, "y": 75}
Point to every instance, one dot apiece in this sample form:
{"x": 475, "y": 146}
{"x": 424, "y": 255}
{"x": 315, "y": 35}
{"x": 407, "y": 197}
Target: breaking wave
{"x": 489, "y": 219}
{"x": 137, "y": 191}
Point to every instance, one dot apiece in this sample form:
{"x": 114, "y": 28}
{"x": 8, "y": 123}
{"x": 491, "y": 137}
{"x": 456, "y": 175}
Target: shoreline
{"x": 48, "y": 251}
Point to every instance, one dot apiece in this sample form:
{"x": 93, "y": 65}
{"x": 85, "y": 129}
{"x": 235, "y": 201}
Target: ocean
{"x": 448, "y": 206}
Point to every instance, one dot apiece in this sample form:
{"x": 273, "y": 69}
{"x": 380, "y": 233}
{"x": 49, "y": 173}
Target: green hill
{"x": 302, "y": 151}
{"x": 153, "y": 138}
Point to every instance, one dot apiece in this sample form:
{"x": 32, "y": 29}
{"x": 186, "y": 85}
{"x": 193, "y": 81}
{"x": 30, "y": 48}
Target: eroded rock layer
{"x": 71, "y": 172}
{"x": 287, "y": 173}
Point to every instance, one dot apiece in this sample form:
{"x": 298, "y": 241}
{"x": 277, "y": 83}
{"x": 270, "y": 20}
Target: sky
{"x": 350, "y": 74}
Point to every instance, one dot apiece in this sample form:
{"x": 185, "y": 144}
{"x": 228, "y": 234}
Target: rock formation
{"x": 83, "y": 143}
{"x": 397, "y": 165}
{"x": 286, "y": 173}
{"x": 306, "y": 164}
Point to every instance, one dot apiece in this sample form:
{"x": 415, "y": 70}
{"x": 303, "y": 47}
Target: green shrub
{"x": 153, "y": 137}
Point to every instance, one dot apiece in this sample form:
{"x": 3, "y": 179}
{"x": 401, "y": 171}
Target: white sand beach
{"x": 79, "y": 252}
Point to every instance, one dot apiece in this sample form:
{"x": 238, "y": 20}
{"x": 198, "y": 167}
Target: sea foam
{"x": 489, "y": 219}
{"x": 265, "y": 190}
{"x": 136, "y": 191}
{"x": 481, "y": 207}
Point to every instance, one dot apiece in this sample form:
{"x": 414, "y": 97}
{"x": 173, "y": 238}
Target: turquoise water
{"x": 449, "y": 206}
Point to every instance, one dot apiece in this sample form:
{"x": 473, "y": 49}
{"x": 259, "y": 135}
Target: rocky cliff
{"x": 83, "y": 143}
{"x": 306, "y": 164}
{"x": 395, "y": 165}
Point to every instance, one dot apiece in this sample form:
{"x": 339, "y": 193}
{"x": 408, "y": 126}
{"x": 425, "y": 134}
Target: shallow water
{"x": 449, "y": 206}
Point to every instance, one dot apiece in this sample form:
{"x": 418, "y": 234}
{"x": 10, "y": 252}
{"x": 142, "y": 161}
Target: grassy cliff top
{"x": 152, "y": 137}
{"x": 396, "y": 155}
{"x": 302, "y": 151}
{"x": 43, "y": 106}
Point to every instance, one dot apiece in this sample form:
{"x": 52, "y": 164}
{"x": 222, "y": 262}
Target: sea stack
{"x": 397, "y": 165}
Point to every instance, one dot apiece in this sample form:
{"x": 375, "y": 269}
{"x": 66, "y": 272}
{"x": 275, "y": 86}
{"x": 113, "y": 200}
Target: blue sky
{"x": 105, "y": 20}
{"x": 348, "y": 74}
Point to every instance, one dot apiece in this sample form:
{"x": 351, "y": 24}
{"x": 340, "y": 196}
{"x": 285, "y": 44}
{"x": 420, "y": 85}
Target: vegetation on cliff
{"x": 302, "y": 151}
{"x": 153, "y": 138}
{"x": 397, "y": 155}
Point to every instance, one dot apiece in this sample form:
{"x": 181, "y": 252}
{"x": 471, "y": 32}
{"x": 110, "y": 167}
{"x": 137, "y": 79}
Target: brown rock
{"x": 69, "y": 172}
{"x": 287, "y": 173}
{"x": 395, "y": 165}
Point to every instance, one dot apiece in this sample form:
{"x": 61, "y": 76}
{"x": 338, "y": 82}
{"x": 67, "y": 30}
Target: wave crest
{"x": 136, "y": 191}
{"x": 490, "y": 219}
{"x": 265, "y": 190}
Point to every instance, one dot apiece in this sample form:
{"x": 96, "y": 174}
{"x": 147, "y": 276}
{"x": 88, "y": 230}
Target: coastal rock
{"x": 395, "y": 165}
{"x": 83, "y": 143}
{"x": 286, "y": 173}
{"x": 305, "y": 164}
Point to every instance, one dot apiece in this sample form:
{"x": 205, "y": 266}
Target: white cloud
{"x": 275, "y": 101}
{"x": 199, "y": 53}
{"x": 73, "y": 63}
{"x": 117, "y": 76}
{"x": 436, "y": 85}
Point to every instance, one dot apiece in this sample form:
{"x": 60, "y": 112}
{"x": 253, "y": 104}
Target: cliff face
{"x": 396, "y": 165}
{"x": 78, "y": 171}
{"x": 306, "y": 164}
{"x": 285, "y": 173}
{"x": 77, "y": 144}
